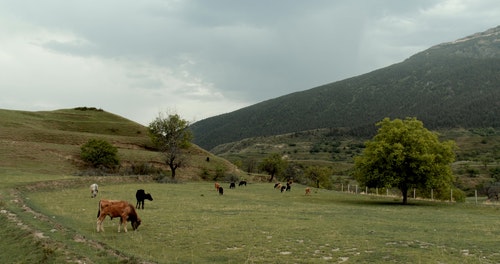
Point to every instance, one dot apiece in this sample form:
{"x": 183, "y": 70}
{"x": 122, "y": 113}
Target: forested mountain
{"x": 455, "y": 84}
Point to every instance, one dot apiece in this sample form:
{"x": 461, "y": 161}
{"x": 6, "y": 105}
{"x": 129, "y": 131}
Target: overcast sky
{"x": 202, "y": 58}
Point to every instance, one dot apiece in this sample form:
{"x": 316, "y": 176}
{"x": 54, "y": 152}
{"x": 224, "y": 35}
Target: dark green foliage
{"x": 84, "y": 108}
{"x": 204, "y": 173}
{"x": 495, "y": 173}
{"x": 405, "y": 155}
{"x": 99, "y": 153}
{"x": 472, "y": 172}
{"x": 219, "y": 172}
{"x": 447, "y": 86}
{"x": 273, "y": 164}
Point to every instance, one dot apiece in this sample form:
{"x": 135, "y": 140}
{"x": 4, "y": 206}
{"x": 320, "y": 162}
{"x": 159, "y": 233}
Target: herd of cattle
{"x": 127, "y": 213}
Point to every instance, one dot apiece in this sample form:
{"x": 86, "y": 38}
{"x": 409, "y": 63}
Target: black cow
{"x": 232, "y": 185}
{"x": 242, "y": 183}
{"x": 140, "y": 195}
{"x": 221, "y": 190}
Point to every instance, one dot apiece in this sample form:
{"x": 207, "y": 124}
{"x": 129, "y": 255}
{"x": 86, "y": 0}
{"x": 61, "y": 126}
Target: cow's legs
{"x": 123, "y": 221}
{"x": 99, "y": 224}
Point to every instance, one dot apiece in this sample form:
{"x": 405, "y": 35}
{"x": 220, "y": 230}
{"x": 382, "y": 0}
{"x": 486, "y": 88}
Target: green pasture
{"x": 191, "y": 223}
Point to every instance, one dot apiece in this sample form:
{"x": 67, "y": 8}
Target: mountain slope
{"x": 455, "y": 84}
{"x": 48, "y": 143}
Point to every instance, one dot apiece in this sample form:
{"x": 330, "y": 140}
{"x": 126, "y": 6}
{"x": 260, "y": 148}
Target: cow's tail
{"x": 99, "y": 209}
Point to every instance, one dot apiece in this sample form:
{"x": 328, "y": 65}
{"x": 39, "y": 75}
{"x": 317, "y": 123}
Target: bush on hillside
{"x": 84, "y": 108}
{"x": 99, "y": 153}
{"x": 144, "y": 168}
{"x": 495, "y": 173}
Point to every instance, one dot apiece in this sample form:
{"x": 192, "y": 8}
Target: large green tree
{"x": 404, "y": 154}
{"x": 171, "y": 136}
{"x": 273, "y": 164}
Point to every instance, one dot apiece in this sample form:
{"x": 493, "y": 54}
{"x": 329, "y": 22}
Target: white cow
{"x": 94, "y": 189}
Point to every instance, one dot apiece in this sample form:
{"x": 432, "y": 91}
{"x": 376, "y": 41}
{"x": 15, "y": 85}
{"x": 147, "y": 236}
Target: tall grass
{"x": 191, "y": 223}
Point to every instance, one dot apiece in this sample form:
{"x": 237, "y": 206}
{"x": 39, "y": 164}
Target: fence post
{"x": 475, "y": 194}
{"x": 432, "y": 194}
{"x": 414, "y": 193}
{"x": 356, "y": 189}
{"x": 451, "y": 195}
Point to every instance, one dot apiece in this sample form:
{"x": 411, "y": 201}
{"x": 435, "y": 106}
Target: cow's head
{"x": 136, "y": 224}
{"x": 148, "y": 197}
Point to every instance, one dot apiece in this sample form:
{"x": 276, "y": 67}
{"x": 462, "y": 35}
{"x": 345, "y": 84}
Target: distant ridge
{"x": 453, "y": 84}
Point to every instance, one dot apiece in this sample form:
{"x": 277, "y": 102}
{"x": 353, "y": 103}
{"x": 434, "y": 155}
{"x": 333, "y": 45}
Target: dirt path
{"x": 15, "y": 199}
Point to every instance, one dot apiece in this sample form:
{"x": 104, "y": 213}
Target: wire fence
{"x": 414, "y": 193}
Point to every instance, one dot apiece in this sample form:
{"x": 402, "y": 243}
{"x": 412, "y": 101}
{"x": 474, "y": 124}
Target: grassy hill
{"x": 451, "y": 85}
{"x": 47, "y": 143}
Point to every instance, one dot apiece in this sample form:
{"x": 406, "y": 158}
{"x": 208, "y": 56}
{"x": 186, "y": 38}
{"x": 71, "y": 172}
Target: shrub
{"x": 99, "y": 153}
{"x": 142, "y": 169}
{"x": 204, "y": 173}
{"x": 219, "y": 172}
{"x": 495, "y": 173}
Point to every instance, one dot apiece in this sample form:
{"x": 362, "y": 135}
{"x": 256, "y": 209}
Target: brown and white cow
{"x": 116, "y": 208}
{"x": 308, "y": 191}
{"x": 217, "y": 186}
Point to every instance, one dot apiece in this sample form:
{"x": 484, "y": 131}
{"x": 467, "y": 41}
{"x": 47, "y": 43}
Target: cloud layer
{"x": 204, "y": 58}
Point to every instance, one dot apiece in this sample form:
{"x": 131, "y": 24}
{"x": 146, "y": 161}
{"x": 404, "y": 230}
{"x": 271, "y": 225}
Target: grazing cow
{"x": 308, "y": 191}
{"x": 115, "y": 208}
{"x": 141, "y": 195}
{"x": 277, "y": 186}
{"x": 221, "y": 190}
{"x": 282, "y": 189}
{"x": 232, "y": 185}
{"x": 288, "y": 186}
{"x": 217, "y": 186}
{"x": 242, "y": 183}
{"x": 94, "y": 189}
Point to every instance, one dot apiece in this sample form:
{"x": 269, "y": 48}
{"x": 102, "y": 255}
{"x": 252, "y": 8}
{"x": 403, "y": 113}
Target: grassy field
{"x": 48, "y": 216}
{"x": 190, "y": 223}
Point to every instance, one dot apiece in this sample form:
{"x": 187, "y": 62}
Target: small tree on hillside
{"x": 405, "y": 155}
{"x": 99, "y": 153}
{"x": 171, "y": 136}
{"x": 273, "y": 165}
{"x": 319, "y": 175}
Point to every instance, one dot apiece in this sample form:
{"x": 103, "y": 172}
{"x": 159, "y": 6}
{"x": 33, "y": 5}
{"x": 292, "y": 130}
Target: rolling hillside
{"x": 451, "y": 85}
{"x": 48, "y": 143}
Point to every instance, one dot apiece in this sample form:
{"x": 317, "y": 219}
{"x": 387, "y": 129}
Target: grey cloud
{"x": 249, "y": 51}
